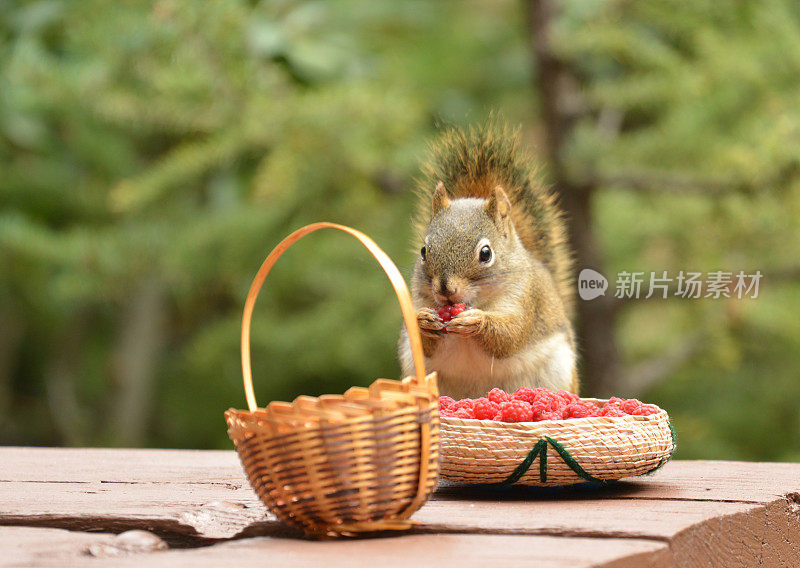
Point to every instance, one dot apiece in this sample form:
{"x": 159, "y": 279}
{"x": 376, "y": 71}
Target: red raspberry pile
{"x": 533, "y": 405}
{"x": 448, "y": 312}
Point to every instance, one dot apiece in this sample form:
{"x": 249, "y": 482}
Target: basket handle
{"x": 399, "y": 285}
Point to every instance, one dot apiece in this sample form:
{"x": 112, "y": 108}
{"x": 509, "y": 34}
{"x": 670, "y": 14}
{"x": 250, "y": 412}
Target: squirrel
{"x": 491, "y": 237}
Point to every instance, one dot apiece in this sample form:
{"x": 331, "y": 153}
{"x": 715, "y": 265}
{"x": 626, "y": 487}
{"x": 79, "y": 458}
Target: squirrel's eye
{"x": 485, "y": 254}
{"x": 422, "y": 252}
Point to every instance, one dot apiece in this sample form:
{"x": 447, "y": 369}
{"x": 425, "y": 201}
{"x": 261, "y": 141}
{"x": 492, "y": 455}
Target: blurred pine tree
{"x": 151, "y": 154}
{"x": 673, "y": 131}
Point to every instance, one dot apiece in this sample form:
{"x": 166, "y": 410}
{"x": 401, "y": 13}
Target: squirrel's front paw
{"x": 468, "y": 322}
{"x": 429, "y": 322}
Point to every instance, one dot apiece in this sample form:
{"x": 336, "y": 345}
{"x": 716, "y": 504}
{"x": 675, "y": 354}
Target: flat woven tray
{"x": 554, "y": 452}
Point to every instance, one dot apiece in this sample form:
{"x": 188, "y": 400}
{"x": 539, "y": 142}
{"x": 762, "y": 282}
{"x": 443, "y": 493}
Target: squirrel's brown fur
{"x": 471, "y": 163}
{"x": 491, "y": 237}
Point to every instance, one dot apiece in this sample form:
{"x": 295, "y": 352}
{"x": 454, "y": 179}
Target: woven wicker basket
{"x": 597, "y": 449}
{"x": 342, "y": 465}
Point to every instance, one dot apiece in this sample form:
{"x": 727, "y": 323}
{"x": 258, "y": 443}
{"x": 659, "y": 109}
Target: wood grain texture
{"x": 25, "y": 546}
{"x": 65, "y": 549}
{"x": 701, "y": 513}
{"x": 189, "y": 495}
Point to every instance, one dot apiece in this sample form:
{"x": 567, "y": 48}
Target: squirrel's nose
{"x": 449, "y": 290}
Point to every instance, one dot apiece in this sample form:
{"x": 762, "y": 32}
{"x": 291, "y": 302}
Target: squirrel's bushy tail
{"x": 472, "y": 162}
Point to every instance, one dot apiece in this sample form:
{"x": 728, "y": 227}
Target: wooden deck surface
{"x": 73, "y": 507}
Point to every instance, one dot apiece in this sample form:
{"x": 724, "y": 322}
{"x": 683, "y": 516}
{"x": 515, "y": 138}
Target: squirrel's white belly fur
{"x": 466, "y": 370}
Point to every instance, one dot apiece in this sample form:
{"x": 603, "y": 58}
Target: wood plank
{"x": 728, "y": 514}
{"x": 192, "y": 512}
{"x": 705, "y": 480}
{"x": 202, "y": 494}
{"x": 392, "y": 552}
{"x": 754, "y": 482}
{"x": 32, "y": 464}
{"x": 699, "y": 513}
{"x": 25, "y": 546}
{"x": 205, "y": 493}
{"x": 689, "y": 480}
{"x": 781, "y": 544}
{"x": 659, "y": 520}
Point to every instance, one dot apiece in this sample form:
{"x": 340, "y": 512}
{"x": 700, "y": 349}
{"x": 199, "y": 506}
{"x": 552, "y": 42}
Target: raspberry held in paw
{"x": 447, "y": 312}
{"x": 457, "y": 309}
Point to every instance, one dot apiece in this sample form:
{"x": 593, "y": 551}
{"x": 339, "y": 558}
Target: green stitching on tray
{"x": 543, "y": 462}
{"x": 540, "y": 450}
{"x": 570, "y": 461}
{"x": 522, "y": 468}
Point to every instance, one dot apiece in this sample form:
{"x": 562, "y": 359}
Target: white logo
{"x": 591, "y": 284}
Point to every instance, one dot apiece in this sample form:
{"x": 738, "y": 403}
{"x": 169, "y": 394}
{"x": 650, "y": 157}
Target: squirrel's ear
{"x": 440, "y": 198}
{"x": 498, "y": 206}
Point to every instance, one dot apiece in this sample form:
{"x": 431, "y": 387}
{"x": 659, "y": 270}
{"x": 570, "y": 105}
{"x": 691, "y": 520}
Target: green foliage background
{"x": 151, "y": 154}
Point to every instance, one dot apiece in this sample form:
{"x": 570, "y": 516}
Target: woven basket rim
{"x": 352, "y": 404}
{"x": 298, "y": 418}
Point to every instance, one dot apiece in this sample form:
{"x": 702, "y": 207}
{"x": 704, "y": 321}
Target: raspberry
{"x": 485, "y": 409}
{"x": 464, "y": 413}
{"x": 525, "y": 394}
{"x": 645, "y": 410}
{"x": 457, "y": 309}
{"x": 447, "y": 312}
{"x": 611, "y": 410}
{"x": 568, "y": 397}
{"x": 464, "y": 403}
{"x": 580, "y": 410}
{"x": 554, "y": 415}
{"x": 516, "y": 411}
{"x": 539, "y": 409}
{"x": 536, "y": 404}
{"x": 498, "y": 395}
{"x": 630, "y": 406}
{"x": 547, "y": 406}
